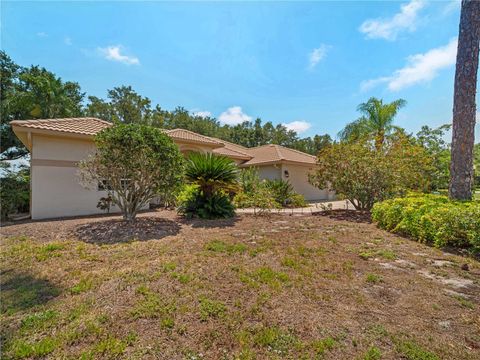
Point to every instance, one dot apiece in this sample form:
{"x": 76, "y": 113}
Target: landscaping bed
{"x": 250, "y": 287}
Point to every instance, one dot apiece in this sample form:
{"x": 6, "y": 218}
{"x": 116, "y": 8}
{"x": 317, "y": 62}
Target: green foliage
{"x": 373, "y": 353}
{"x": 266, "y": 194}
{"x": 373, "y": 278}
{"x": 476, "y": 164}
{"x": 284, "y": 194}
{"x": 364, "y": 174}
{"x": 410, "y": 350}
{"x": 216, "y": 206}
{"x": 432, "y": 140}
{"x": 212, "y": 173}
{"x": 14, "y": 191}
{"x": 211, "y": 308}
{"x": 275, "y": 339}
{"x": 32, "y": 93}
{"x": 431, "y": 219}
{"x": 215, "y": 178}
{"x": 222, "y": 247}
{"x": 376, "y": 121}
{"x": 22, "y": 349}
{"x": 136, "y": 162}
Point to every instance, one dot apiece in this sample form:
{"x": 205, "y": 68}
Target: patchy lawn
{"x": 267, "y": 287}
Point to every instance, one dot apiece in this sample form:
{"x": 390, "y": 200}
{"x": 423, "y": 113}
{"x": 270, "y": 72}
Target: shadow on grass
{"x": 118, "y": 231}
{"x": 356, "y": 216}
{"x": 22, "y": 291}
{"x": 207, "y": 224}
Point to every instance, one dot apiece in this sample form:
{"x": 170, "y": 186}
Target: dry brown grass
{"x": 265, "y": 287}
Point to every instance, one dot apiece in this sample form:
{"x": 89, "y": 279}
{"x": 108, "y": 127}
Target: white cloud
{"x": 42, "y": 34}
{"x": 67, "y": 40}
{"x": 405, "y": 20}
{"x": 233, "y": 116}
{"x": 420, "y": 68}
{"x": 298, "y": 126}
{"x": 317, "y": 55}
{"x": 113, "y": 53}
{"x": 203, "y": 114}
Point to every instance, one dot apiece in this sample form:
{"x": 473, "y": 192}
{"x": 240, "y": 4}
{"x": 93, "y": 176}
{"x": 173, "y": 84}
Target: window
{"x": 104, "y": 185}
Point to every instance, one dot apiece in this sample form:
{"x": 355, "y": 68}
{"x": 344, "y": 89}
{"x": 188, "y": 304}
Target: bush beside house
{"x": 213, "y": 182}
{"x": 266, "y": 194}
{"x": 133, "y": 163}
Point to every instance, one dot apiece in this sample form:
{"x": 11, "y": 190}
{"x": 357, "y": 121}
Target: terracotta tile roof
{"x": 255, "y": 156}
{"x": 84, "y": 125}
{"x": 276, "y": 153}
{"x": 190, "y": 136}
{"x": 232, "y": 150}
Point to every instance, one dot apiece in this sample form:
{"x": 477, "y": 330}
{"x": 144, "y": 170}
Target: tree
{"x": 15, "y": 190}
{"x": 465, "y": 90}
{"x": 216, "y": 178}
{"x": 134, "y": 163}
{"x": 363, "y": 174}
{"x": 376, "y": 121}
{"x": 124, "y": 105}
{"x": 432, "y": 140}
{"x": 32, "y": 93}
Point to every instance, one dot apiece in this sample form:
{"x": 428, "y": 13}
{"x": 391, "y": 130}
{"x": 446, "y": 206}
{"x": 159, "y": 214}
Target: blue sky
{"x": 304, "y": 64}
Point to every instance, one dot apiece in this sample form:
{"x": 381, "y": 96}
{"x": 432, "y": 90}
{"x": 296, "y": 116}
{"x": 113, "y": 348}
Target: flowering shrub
{"x": 432, "y": 219}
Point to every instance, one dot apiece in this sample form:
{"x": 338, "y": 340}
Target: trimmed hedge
{"x": 432, "y": 219}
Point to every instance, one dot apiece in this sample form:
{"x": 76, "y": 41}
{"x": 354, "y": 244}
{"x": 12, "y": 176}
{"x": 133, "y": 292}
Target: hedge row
{"x": 432, "y": 219}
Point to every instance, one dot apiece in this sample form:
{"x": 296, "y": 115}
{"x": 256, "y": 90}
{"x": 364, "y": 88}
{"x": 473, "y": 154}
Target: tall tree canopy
{"x": 464, "y": 108}
{"x": 32, "y": 93}
{"x": 376, "y": 121}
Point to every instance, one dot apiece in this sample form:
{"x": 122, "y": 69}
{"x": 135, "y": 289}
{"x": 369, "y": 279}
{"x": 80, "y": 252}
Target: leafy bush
{"x": 364, "y": 174}
{"x": 136, "y": 163}
{"x": 214, "y": 180}
{"x": 284, "y": 193}
{"x": 216, "y": 206}
{"x": 266, "y": 194}
{"x": 14, "y": 191}
{"x": 431, "y": 219}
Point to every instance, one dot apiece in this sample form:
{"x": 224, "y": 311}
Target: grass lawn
{"x": 298, "y": 287}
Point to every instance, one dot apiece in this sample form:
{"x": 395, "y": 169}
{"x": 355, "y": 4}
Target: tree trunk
{"x": 463, "y": 136}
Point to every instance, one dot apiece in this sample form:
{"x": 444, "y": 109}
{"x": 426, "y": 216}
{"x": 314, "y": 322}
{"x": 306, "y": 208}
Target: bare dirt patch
{"x": 250, "y": 287}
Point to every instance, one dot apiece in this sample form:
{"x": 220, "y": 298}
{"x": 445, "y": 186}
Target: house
{"x": 57, "y": 145}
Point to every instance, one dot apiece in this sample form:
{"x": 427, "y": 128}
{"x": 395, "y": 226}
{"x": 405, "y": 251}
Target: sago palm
{"x": 376, "y": 121}
{"x": 211, "y": 172}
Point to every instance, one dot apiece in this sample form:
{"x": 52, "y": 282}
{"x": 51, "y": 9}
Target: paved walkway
{"x": 311, "y": 209}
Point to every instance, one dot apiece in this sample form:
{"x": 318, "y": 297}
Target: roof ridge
{"x": 279, "y": 153}
{"x": 61, "y": 119}
{"x": 298, "y": 151}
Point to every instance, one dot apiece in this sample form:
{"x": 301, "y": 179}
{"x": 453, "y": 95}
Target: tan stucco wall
{"x": 270, "y": 172}
{"x": 56, "y": 191}
{"x": 55, "y": 187}
{"x": 298, "y": 177}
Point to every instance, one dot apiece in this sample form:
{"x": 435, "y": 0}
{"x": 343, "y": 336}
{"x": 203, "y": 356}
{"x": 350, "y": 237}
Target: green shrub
{"x": 215, "y": 181}
{"x": 431, "y": 219}
{"x": 284, "y": 194}
{"x": 266, "y": 194}
{"x": 15, "y": 191}
{"x": 216, "y": 206}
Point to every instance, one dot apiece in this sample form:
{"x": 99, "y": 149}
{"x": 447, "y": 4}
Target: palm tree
{"x": 211, "y": 172}
{"x": 465, "y": 90}
{"x": 376, "y": 120}
{"x": 216, "y": 177}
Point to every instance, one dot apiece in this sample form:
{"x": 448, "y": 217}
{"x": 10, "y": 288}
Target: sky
{"x": 303, "y": 64}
